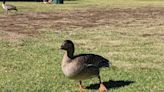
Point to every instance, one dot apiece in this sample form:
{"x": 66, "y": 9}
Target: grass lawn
{"x": 129, "y": 33}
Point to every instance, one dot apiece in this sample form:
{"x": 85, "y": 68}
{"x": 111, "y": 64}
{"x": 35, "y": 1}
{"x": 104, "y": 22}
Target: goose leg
{"x": 16, "y": 11}
{"x": 102, "y": 87}
{"x": 81, "y": 86}
{"x": 6, "y": 12}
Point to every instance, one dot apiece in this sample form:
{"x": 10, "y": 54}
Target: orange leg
{"x": 102, "y": 87}
{"x": 81, "y": 87}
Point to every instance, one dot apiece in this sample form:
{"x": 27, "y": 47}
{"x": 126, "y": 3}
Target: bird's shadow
{"x": 111, "y": 84}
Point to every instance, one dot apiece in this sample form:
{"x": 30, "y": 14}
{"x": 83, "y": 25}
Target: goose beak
{"x": 62, "y": 47}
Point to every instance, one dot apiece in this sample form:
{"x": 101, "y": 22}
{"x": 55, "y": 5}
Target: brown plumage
{"x": 82, "y": 66}
{"x": 93, "y": 59}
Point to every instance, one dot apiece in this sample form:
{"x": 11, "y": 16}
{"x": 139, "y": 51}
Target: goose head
{"x": 4, "y": 1}
{"x": 67, "y": 45}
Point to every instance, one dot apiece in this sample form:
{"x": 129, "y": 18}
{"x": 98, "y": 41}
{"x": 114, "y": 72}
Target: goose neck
{"x": 3, "y": 6}
{"x": 3, "y": 1}
{"x": 70, "y": 53}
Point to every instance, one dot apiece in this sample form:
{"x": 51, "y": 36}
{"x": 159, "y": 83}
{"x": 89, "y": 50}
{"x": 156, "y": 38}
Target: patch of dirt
{"x": 30, "y": 23}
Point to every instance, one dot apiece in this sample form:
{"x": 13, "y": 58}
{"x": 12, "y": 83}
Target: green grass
{"x": 32, "y": 63}
{"x": 81, "y": 4}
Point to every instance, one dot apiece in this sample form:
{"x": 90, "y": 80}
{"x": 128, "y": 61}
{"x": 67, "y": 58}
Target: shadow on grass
{"x": 111, "y": 84}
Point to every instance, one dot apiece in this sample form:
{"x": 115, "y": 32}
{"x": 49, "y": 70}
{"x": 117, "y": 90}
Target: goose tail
{"x": 104, "y": 63}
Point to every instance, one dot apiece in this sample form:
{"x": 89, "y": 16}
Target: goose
{"x": 47, "y": 1}
{"x": 8, "y": 7}
{"x": 82, "y": 66}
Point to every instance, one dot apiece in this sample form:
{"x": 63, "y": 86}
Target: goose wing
{"x": 92, "y": 60}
